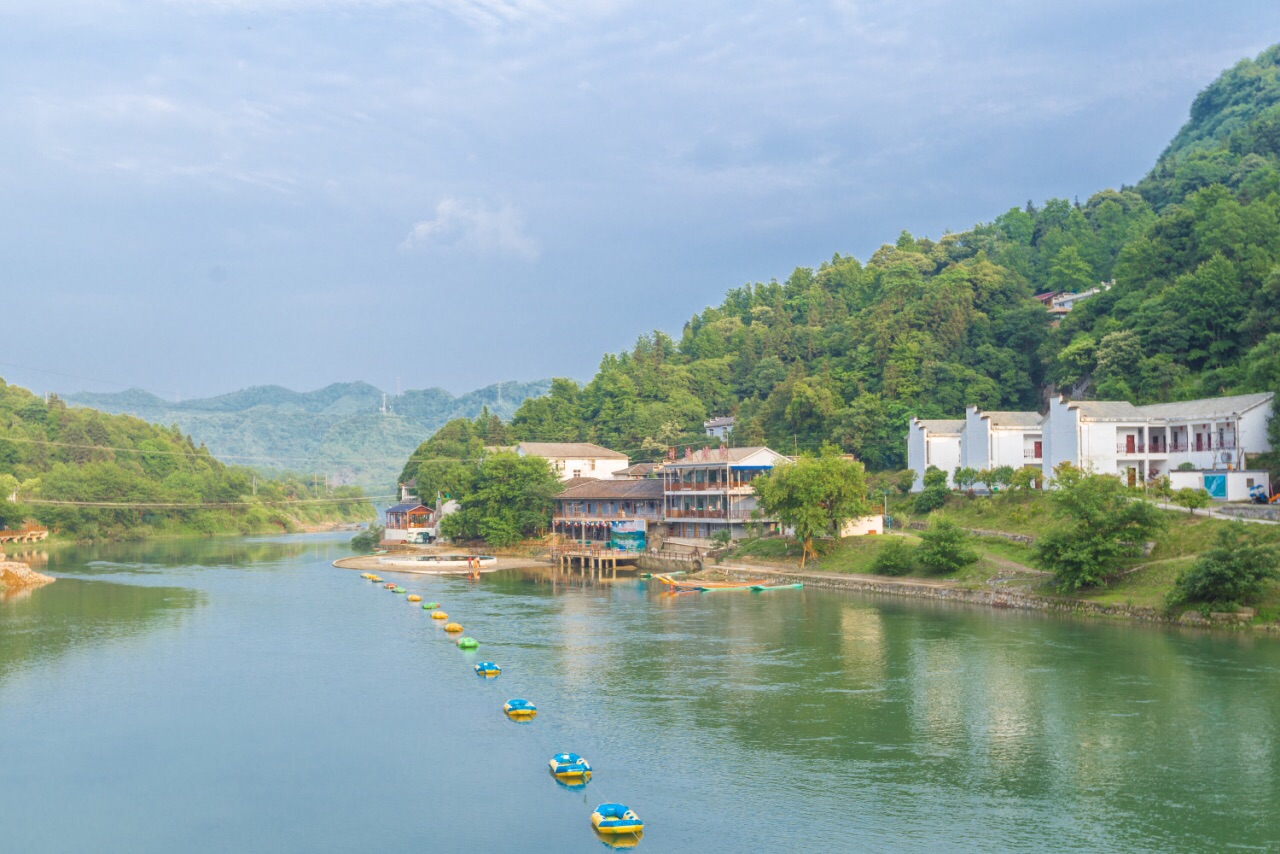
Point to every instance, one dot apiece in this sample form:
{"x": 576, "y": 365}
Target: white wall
{"x": 603, "y": 469}
{"x": 944, "y": 453}
{"x": 976, "y": 440}
{"x": 862, "y": 527}
{"x": 1060, "y": 438}
{"x": 915, "y": 453}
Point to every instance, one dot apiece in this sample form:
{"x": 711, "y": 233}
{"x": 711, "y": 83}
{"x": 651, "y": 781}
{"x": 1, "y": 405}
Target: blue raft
{"x": 570, "y": 767}
{"x": 488, "y": 668}
{"x": 616, "y": 818}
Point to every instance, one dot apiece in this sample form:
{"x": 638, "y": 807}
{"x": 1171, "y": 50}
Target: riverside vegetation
{"x": 91, "y": 476}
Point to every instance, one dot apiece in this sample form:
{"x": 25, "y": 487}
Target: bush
{"x": 944, "y": 548}
{"x": 368, "y": 539}
{"x": 1235, "y": 569}
{"x": 895, "y": 558}
{"x": 935, "y": 491}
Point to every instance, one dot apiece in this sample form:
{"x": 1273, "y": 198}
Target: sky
{"x": 203, "y": 195}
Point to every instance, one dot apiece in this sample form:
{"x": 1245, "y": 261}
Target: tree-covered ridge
{"x": 339, "y": 430}
{"x": 845, "y": 352}
{"x": 50, "y": 452}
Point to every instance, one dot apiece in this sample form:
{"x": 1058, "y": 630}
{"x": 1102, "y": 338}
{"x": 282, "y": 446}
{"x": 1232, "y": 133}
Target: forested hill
{"x": 847, "y": 351}
{"x": 96, "y": 476}
{"x": 339, "y": 431}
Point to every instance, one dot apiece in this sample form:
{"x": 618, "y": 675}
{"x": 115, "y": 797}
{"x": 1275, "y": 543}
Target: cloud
{"x": 472, "y": 225}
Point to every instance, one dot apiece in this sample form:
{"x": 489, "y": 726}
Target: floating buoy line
{"x": 615, "y": 824}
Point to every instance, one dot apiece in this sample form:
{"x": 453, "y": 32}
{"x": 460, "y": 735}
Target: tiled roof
{"x": 1207, "y": 407}
{"x": 638, "y": 470}
{"x": 634, "y": 489}
{"x": 1107, "y": 410}
{"x": 1014, "y": 419}
{"x": 719, "y": 455}
{"x": 941, "y": 426}
{"x": 569, "y": 451}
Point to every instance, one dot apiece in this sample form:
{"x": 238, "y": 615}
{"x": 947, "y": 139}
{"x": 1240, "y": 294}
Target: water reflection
{"x": 70, "y": 614}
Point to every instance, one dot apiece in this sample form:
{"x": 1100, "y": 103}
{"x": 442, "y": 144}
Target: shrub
{"x": 944, "y": 548}
{"x": 895, "y": 558}
{"x": 1192, "y": 499}
{"x": 935, "y": 491}
{"x": 368, "y": 539}
{"x": 1235, "y": 569}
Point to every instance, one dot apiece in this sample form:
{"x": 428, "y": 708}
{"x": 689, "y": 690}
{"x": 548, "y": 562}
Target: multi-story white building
{"x": 1141, "y": 443}
{"x": 993, "y": 439}
{"x": 576, "y": 459}
{"x": 933, "y": 442}
{"x": 1137, "y": 443}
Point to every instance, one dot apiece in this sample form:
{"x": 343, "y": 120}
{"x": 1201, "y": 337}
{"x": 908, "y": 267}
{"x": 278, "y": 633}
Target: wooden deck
{"x": 591, "y": 560}
{"x": 24, "y": 535}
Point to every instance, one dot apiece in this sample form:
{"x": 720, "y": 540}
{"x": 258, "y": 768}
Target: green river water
{"x": 245, "y": 696}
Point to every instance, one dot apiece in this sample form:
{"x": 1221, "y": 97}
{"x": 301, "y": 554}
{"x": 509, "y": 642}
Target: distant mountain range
{"x": 339, "y": 431}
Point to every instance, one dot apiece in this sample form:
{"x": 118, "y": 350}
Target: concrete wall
{"x": 600, "y": 469}
{"x": 915, "y": 453}
{"x": 1060, "y": 438}
{"x": 864, "y": 526}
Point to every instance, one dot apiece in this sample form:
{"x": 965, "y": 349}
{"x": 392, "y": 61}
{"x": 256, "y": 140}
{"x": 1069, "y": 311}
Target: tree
{"x": 895, "y": 558}
{"x": 1235, "y": 569}
{"x": 368, "y": 539}
{"x": 1001, "y": 477}
{"x": 512, "y": 497}
{"x": 966, "y": 477}
{"x": 1192, "y": 499}
{"x": 935, "y": 491}
{"x": 815, "y": 496}
{"x": 1100, "y": 525}
{"x": 944, "y": 548}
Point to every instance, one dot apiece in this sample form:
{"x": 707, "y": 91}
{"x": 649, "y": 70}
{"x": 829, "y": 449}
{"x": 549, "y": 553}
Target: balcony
{"x": 654, "y": 515}
{"x": 1135, "y": 448}
{"x": 684, "y": 513}
{"x": 1031, "y": 454}
{"x": 712, "y": 486}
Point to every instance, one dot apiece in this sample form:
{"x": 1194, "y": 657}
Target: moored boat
{"x": 616, "y": 818}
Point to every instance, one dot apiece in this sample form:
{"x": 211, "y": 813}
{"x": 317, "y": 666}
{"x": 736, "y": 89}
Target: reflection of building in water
{"x": 862, "y": 643}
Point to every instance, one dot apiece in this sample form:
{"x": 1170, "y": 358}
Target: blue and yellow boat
{"x": 616, "y": 818}
{"x": 488, "y": 668}
{"x": 570, "y": 768}
{"x": 519, "y": 709}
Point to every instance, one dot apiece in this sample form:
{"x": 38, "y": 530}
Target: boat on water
{"x": 760, "y": 588}
{"x": 438, "y": 563}
{"x": 704, "y": 586}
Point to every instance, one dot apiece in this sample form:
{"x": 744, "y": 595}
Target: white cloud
{"x": 472, "y": 225}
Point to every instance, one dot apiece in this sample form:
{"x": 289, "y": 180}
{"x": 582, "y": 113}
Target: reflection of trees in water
{"x": 59, "y": 618}
{"x": 160, "y": 555}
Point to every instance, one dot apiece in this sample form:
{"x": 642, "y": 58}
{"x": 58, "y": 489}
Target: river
{"x": 244, "y": 695}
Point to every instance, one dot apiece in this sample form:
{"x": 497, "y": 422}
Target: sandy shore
{"x": 369, "y": 563}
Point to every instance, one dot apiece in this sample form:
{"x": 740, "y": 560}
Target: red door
{"x": 1039, "y": 451}
{"x": 1130, "y": 444}
{"x": 1199, "y": 441}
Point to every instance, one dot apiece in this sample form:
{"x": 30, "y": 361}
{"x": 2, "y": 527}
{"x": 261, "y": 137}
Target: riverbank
{"x": 17, "y": 579}
{"x": 996, "y": 597}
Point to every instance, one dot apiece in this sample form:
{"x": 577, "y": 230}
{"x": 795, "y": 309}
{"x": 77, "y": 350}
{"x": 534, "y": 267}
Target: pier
{"x": 28, "y": 534}
{"x": 592, "y": 560}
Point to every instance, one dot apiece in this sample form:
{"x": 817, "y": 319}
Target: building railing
{"x": 1135, "y": 448}
{"x": 1030, "y": 454}
{"x": 713, "y": 486}
{"x": 655, "y": 515}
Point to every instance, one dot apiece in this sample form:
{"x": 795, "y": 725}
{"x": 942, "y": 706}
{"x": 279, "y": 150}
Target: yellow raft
{"x": 414, "y": 597}
{"x": 452, "y": 627}
{"x": 439, "y": 615}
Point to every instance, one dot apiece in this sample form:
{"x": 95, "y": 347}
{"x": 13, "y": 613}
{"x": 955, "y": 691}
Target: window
{"x": 1248, "y": 482}
{"x": 593, "y": 465}
{"x": 577, "y": 472}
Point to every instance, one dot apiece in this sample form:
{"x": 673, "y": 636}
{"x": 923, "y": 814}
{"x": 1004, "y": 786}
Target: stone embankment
{"x": 18, "y": 576}
{"x": 994, "y": 598}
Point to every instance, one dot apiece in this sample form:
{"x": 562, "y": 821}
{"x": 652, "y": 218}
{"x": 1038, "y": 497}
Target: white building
{"x": 994, "y": 439}
{"x": 933, "y": 442}
{"x": 576, "y": 459}
{"x": 1142, "y": 443}
{"x": 720, "y": 427}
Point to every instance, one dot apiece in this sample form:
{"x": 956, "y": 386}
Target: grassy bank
{"x": 1144, "y": 581}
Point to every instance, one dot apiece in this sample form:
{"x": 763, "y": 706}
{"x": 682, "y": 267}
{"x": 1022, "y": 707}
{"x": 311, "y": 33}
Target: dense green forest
{"x": 339, "y": 431}
{"x": 846, "y": 352}
{"x": 51, "y": 453}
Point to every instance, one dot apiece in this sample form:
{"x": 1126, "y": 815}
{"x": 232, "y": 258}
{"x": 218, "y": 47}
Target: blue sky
{"x": 208, "y": 194}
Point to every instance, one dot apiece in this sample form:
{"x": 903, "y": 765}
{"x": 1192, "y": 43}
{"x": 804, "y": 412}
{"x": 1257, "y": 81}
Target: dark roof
{"x": 634, "y": 489}
{"x": 404, "y": 508}
{"x": 578, "y": 481}
{"x": 638, "y": 470}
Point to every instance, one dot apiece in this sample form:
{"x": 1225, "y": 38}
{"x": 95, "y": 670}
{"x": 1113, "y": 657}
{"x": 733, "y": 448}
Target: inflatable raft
{"x": 519, "y": 709}
{"x": 439, "y": 615}
{"x": 570, "y": 768}
{"x": 616, "y": 818}
{"x": 468, "y": 643}
{"x": 488, "y": 668}
{"x": 452, "y": 627}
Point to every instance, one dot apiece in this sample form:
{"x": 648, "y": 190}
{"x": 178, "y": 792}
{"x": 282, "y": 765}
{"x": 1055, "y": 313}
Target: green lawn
{"x": 1145, "y": 583}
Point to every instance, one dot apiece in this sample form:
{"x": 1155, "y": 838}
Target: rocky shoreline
{"x": 15, "y": 577}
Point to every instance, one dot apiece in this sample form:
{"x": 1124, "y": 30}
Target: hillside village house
{"x": 711, "y": 490}
{"x": 933, "y": 442}
{"x": 719, "y": 427}
{"x": 1214, "y": 436}
{"x": 619, "y": 513}
{"x": 576, "y": 459}
{"x": 993, "y": 439}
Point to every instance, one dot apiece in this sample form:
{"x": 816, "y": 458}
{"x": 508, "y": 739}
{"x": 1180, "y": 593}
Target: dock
{"x": 28, "y": 534}
{"x": 591, "y": 560}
